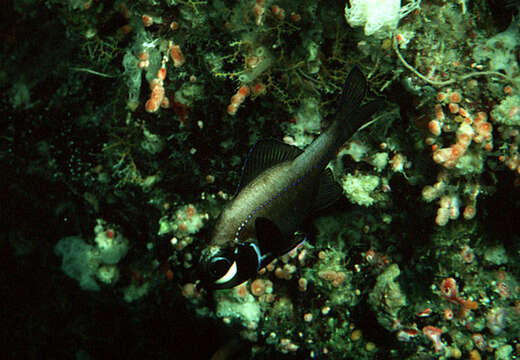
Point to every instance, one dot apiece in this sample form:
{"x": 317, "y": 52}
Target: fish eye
{"x": 218, "y": 267}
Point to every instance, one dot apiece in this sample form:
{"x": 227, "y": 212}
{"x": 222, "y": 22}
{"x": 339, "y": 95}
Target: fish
{"x": 281, "y": 186}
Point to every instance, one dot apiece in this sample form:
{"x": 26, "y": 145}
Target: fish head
{"x": 227, "y": 267}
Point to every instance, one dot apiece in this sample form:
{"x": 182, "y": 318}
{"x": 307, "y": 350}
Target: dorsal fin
{"x": 328, "y": 192}
{"x": 263, "y": 155}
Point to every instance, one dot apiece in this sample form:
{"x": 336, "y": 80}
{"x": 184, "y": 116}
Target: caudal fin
{"x": 350, "y": 114}
{"x": 353, "y": 93}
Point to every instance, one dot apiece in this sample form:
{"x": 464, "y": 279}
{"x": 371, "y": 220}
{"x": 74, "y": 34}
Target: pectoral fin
{"x": 270, "y": 238}
{"x": 329, "y": 191}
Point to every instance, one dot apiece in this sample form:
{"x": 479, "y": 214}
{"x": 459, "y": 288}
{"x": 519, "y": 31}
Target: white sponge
{"x": 380, "y": 17}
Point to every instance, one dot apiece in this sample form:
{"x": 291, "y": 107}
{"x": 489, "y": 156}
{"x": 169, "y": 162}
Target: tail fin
{"x": 349, "y": 114}
{"x": 354, "y": 90}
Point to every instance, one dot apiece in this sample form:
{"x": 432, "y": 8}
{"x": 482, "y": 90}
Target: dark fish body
{"x": 280, "y": 187}
{"x": 265, "y": 196}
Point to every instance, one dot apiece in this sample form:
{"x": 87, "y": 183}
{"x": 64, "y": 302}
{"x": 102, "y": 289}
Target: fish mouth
{"x": 208, "y": 253}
